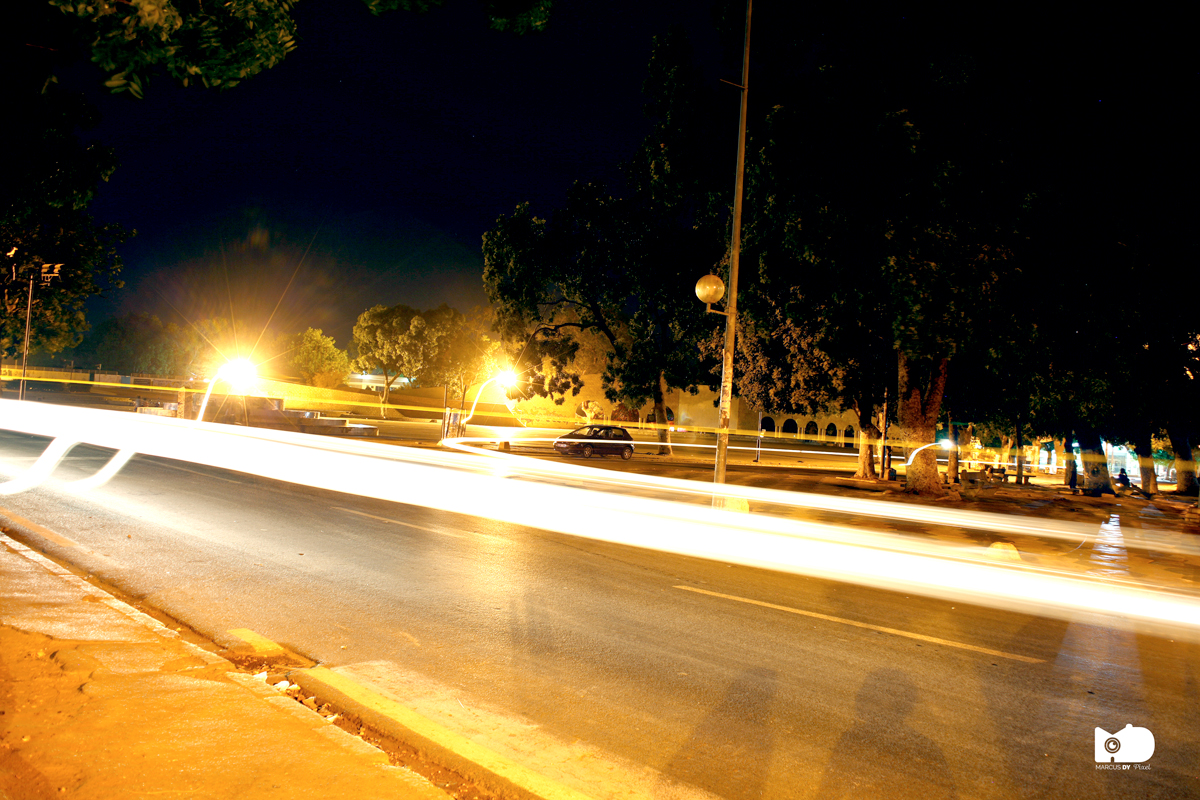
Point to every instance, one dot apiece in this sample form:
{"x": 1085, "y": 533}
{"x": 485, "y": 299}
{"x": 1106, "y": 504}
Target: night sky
{"x": 375, "y": 156}
{"x": 370, "y": 162}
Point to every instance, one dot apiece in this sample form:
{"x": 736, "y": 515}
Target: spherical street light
{"x": 710, "y": 289}
{"x": 240, "y": 374}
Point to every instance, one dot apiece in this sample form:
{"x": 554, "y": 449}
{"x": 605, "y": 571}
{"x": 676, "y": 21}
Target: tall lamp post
{"x": 48, "y": 273}
{"x": 710, "y": 288}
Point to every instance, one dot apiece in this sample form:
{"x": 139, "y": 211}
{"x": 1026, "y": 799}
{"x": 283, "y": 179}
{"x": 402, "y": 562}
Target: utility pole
{"x": 25, "y": 355}
{"x": 48, "y": 273}
{"x": 735, "y": 245}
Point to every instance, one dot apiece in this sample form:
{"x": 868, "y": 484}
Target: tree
{"x": 879, "y": 240}
{"x": 137, "y": 343}
{"x": 401, "y": 342}
{"x": 211, "y": 44}
{"x": 318, "y": 360}
{"x": 44, "y": 194}
{"x": 623, "y": 267}
{"x": 468, "y": 355}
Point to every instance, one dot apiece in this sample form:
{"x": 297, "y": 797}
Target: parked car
{"x": 602, "y": 440}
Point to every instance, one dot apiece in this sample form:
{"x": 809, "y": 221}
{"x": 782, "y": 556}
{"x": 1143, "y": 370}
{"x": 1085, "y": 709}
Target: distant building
{"x": 699, "y": 411}
{"x": 373, "y": 381}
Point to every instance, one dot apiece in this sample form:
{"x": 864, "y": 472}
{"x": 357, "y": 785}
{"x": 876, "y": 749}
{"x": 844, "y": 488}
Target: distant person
{"x": 1072, "y": 475}
{"x": 1123, "y": 479}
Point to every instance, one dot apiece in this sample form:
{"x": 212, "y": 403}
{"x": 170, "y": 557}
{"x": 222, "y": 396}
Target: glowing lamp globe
{"x": 239, "y": 374}
{"x": 710, "y": 289}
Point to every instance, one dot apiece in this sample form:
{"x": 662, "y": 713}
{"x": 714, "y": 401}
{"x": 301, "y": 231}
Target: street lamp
{"x": 48, "y": 273}
{"x": 710, "y": 288}
{"x": 239, "y": 374}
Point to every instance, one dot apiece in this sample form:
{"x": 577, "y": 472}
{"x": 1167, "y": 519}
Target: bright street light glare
{"x": 239, "y": 374}
{"x": 506, "y": 378}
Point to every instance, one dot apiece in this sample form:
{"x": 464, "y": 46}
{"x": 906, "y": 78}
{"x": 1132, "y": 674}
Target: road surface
{"x": 622, "y": 671}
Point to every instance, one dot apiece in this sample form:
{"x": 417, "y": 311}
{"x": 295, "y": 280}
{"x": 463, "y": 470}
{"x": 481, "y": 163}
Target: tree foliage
{"x": 468, "y": 354}
{"x": 213, "y": 44}
{"x": 401, "y": 341}
{"x": 222, "y": 44}
{"x": 43, "y": 220}
{"x": 318, "y": 359}
{"x": 620, "y": 266}
{"x": 133, "y": 343}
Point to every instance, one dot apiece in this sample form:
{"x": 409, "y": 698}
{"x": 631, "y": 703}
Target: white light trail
{"x": 541, "y": 495}
{"x": 1076, "y": 532}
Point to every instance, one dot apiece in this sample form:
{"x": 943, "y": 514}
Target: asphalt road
{"x": 632, "y": 670}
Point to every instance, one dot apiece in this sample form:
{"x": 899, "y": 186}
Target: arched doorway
{"x": 831, "y": 432}
{"x": 849, "y": 436}
{"x": 790, "y": 426}
{"x": 810, "y": 430}
{"x": 768, "y": 424}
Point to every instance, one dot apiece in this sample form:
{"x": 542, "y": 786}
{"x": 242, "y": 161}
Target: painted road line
{"x": 867, "y": 626}
{"x": 57, "y": 538}
{"x": 430, "y": 735}
{"x": 398, "y": 522}
{"x": 197, "y": 472}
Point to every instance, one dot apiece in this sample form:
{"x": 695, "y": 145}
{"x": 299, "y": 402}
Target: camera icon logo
{"x": 1129, "y": 745}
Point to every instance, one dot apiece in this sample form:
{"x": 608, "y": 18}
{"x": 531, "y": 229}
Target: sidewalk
{"x": 98, "y": 700}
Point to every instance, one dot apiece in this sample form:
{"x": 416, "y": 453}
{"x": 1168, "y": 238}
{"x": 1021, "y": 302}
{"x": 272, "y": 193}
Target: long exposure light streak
{"x": 1076, "y": 532}
{"x": 528, "y": 495}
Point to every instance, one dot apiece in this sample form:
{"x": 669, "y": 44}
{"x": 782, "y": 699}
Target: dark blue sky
{"x": 383, "y": 147}
{"x": 377, "y": 154}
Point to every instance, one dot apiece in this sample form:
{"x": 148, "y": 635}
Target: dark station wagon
{"x": 602, "y": 440}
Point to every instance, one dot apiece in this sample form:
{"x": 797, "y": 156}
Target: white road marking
{"x": 879, "y": 628}
{"x": 195, "y": 472}
{"x": 398, "y": 522}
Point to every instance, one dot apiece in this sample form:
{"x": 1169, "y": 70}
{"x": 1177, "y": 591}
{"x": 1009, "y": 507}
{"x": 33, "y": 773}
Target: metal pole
{"x": 884, "y": 462}
{"x": 758, "y": 446}
{"x": 734, "y": 253}
{"x": 25, "y": 356}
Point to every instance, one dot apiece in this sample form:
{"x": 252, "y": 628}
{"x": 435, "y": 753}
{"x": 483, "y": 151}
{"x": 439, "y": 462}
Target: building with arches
{"x": 698, "y": 411}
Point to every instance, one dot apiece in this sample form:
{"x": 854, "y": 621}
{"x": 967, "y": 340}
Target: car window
{"x": 622, "y": 434}
{"x": 578, "y": 433}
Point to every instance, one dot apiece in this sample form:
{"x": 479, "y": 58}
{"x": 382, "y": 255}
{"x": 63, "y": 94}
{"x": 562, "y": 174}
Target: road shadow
{"x": 882, "y": 752}
{"x": 729, "y": 752}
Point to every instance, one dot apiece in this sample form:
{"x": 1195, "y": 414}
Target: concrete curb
{"x": 454, "y": 751}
